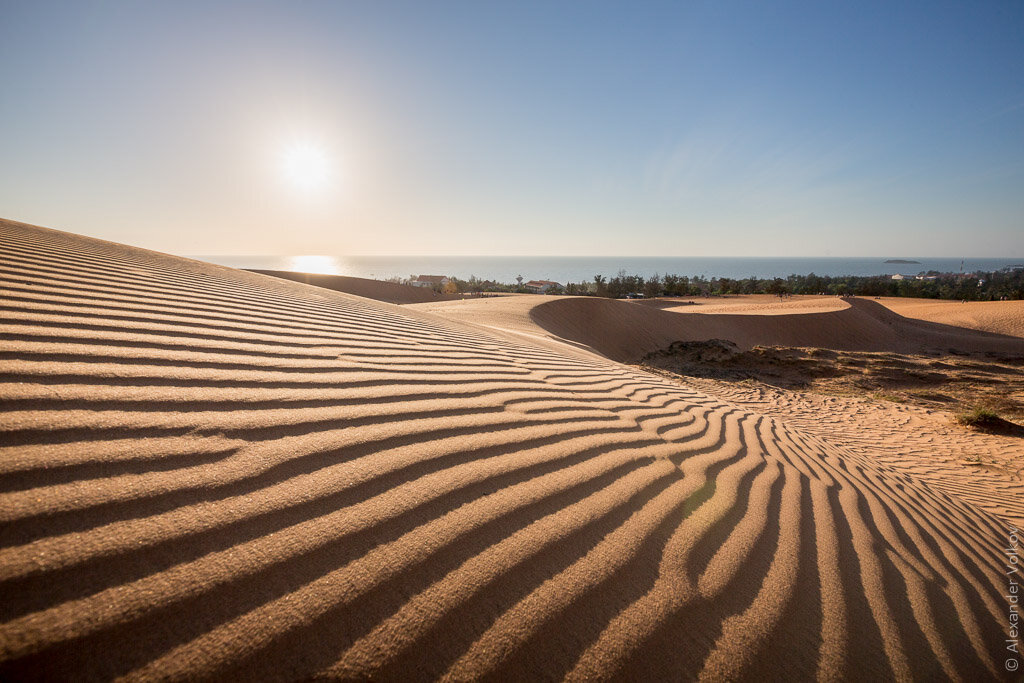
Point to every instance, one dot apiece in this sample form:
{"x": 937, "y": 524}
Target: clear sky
{"x": 592, "y": 128}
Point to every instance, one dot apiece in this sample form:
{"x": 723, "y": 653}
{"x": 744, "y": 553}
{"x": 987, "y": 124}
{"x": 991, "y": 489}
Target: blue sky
{"x": 561, "y": 128}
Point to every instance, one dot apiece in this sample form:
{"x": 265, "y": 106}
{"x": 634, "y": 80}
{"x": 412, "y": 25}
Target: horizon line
{"x": 596, "y": 256}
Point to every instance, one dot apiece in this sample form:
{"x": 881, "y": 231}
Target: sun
{"x": 306, "y": 166}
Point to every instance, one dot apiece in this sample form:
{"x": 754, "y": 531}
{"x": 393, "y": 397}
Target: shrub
{"x": 980, "y": 418}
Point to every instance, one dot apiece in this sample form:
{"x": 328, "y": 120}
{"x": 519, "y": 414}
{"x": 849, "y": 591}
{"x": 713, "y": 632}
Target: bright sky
{"x": 563, "y": 128}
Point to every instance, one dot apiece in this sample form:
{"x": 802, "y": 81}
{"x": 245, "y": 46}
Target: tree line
{"x": 978, "y": 286}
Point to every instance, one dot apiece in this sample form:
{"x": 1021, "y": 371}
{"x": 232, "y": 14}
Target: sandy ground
{"x": 990, "y": 466}
{"x": 999, "y": 317}
{"x": 206, "y": 473}
{"x": 985, "y": 469}
{"x": 625, "y": 331}
{"x": 753, "y": 304}
{"x": 1002, "y": 317}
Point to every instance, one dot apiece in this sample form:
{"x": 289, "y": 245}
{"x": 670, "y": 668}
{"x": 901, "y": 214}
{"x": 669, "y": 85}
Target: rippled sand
{"x": 211, "y": 473}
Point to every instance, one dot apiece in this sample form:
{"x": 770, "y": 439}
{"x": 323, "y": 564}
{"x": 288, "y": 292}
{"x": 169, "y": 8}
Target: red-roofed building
{"x": 541, "y": 286}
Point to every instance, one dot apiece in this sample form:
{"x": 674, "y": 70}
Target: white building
{"x": 541, "y": 286}
{"x": 429, "y": 281}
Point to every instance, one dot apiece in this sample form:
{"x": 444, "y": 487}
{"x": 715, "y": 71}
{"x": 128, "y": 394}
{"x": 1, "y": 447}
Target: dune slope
{"x": 209, "y": 473}
{"x": 390, "y": 292}
{"x": 1002, "y": 317}
{"x": 626, "y": 331}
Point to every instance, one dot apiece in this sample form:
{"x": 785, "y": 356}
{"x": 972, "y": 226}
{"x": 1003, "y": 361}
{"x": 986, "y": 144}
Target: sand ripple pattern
{"x": 213, "y": 474}
{"x": 983, "y": 469}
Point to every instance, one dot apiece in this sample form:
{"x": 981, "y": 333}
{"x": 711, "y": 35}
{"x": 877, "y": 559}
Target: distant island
{"x": 900, "y": 260}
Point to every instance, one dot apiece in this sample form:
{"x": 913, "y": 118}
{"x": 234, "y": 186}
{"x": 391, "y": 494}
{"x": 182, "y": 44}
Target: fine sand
{"x": 626, "y": 331}
{"x": 1002, "y": 317}
{"x": 752, "y": 304}
{"x": 208, "y": 473}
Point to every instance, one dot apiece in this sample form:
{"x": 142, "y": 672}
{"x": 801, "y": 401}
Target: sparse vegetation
{"x": 980, "y": 418}
{"x": 984, "y": 393}
{"x": 894, "y": 398}
{"x": 984, "y": 418}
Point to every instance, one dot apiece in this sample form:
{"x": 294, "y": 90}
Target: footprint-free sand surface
{"x": 1002, "y": 317}
{"x": 207, "y": 473}
{"x": 751, "y": 304}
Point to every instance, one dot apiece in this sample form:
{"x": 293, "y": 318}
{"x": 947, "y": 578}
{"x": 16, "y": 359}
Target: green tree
{"x": 653, "y": 287}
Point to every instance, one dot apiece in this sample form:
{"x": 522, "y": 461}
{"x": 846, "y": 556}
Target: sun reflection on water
{"x": 324, "y": 265}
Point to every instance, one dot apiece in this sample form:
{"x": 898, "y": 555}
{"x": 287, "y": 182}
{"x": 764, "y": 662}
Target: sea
{"x": 507, "y": 269}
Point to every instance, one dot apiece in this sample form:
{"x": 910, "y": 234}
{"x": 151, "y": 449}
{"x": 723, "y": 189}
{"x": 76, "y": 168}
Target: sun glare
{"x": 325, "y": 265}
{"x": 306, "y": 166}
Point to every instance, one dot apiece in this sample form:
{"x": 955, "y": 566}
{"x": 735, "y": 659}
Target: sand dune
{"x": 983, "y": 469}
{"x": 211, "y": 473}
{"x": 921, "y": 442}
{"x": 390, "y": 292}
{"x": 750, "y": 304}
{"x": 1000, "y": 317}
{"x": 626, "y": 331}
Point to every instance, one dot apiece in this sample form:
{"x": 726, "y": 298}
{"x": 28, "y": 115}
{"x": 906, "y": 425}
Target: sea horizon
{"x": 506, "y": 269}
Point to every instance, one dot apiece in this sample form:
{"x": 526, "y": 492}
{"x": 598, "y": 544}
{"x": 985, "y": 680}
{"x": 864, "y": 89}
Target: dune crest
{"x": 210, "y": 473}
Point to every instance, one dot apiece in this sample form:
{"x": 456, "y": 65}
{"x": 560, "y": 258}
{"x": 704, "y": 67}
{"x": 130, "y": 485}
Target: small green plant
{"x": 895, "y": 398}
{"x": 980, "y": 418}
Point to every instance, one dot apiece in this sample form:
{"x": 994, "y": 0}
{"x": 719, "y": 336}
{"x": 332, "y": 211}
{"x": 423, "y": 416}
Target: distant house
{"x": 429, "y": 281}
{"x": 541, "y": 286}
{"x": 897, "y": 276}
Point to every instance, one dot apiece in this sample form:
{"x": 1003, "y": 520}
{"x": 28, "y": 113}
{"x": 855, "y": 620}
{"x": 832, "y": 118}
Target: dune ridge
{"x": 210, "y": 473}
